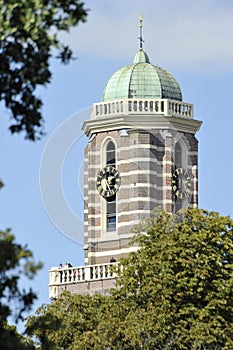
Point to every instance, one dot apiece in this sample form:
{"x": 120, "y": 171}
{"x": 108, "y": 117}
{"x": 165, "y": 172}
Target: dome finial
{"x": 140, "y": 37}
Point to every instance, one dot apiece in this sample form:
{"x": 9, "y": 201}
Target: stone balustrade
{"x": 60, "y": 277}
{"x": 142, "y": 106}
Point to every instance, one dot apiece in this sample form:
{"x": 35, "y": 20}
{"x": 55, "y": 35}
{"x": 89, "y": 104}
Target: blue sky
{"x": 193, "y": 41}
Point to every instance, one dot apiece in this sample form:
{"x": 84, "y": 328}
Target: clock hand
{"x": 105, "y": 184}
{"x": 108, "y": 186}
{"x": 184, "y": 183}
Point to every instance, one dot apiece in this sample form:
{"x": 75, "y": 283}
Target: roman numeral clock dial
{"x": 181, "y": 183}
{"x": 108, "y": 181}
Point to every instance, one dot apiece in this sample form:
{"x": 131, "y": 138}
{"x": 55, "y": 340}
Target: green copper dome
{"x": 141, "y": 80}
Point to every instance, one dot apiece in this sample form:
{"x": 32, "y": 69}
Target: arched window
{"x": 178, "y": 156}
{"x": 179, "y": 162}
{"x": 110, "y": 154}
{"x": 111, "y": 201}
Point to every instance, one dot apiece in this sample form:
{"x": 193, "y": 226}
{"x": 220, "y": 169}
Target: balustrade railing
{"x": 142, "y": 106}
{"x": 81, "y": 274}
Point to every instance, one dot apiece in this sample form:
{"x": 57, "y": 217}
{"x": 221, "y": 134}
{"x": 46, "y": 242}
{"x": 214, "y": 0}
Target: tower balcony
{"x": 142, "y": 106}
{"x": 88, "y": 279}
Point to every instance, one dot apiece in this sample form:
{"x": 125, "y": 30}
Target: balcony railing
{"x": 142, "y": 106}
{"x": 60, "y": 278}
{"x": 79, "y": 274}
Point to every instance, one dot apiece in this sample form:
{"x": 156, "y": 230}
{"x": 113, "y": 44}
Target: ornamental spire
{"x": 140, "y": 32}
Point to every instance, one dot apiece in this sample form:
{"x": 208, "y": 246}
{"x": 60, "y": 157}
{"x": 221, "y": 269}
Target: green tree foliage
{"x": 174, "y": 293}
{"x": 15, "y": 262}
{"x": 182, "y": 281}
{"x": 70, "y": 323}
{"x": 28, "y": 33}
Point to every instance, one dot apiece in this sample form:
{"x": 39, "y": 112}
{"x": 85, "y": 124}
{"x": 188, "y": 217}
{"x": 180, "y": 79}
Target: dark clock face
{"x": 181, "y": 183}
{"x": 108, "y": 181}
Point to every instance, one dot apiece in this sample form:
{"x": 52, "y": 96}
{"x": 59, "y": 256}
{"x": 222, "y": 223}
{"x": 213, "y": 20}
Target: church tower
{"x": 142, "y": 153}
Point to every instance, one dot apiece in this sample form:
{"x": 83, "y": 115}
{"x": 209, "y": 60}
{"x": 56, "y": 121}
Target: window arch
{"x": 180, "y": 160}
{"x": 178, "y": 156}
{"x": 109, "y": 157}
{"x": 110, "y": 154}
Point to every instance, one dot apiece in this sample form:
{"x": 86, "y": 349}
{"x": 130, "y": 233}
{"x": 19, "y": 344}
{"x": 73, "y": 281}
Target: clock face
{"x": 181, "y": 183}
{"x": 108, "y": 181}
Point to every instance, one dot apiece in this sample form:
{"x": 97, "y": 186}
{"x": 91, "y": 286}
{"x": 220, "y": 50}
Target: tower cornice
{"x": 143, "y": 122}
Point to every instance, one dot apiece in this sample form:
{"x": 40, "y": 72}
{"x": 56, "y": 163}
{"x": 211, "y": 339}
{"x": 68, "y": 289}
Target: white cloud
{"x": 188, "y": 35}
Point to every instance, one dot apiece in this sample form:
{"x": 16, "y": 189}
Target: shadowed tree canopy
{"x": 29, "y": 31}
{"x": 174, "y": 293}
{"x": 16, "y": 262}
